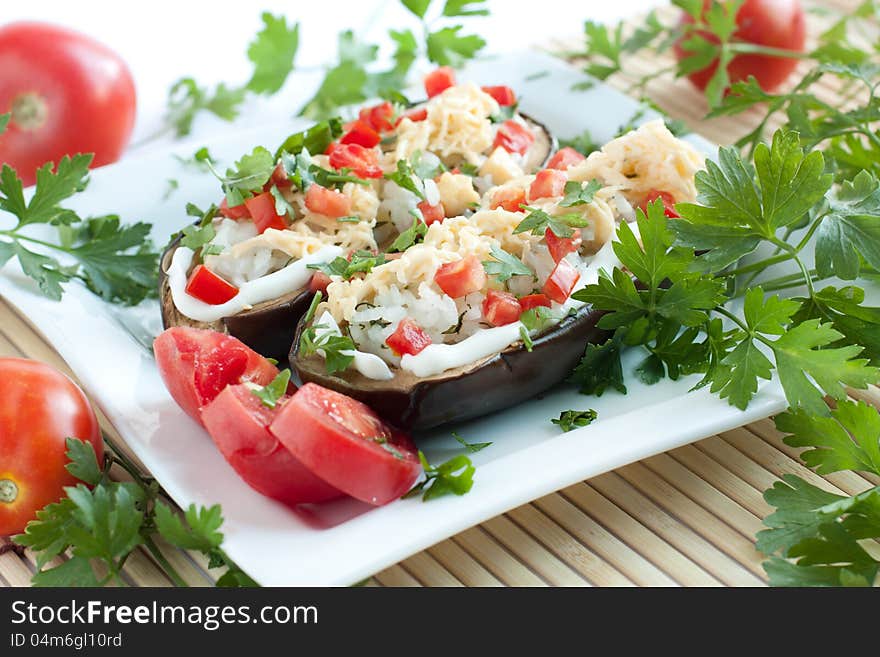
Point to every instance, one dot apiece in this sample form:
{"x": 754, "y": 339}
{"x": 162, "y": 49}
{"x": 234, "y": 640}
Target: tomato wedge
{"x": 328, "y": 202}
{"x": 501, "y": 308}
{"x": 262, "y": 210}
{"x": 408, "y": 338}
{"x": 346, "y": 444}
{"x": 362, "y": 134}
{"x": 205, "y": 285}
{"x": 461, "y": 278}
{"x": 547, "y": 184}
{"x": 439, "y": 80}
{"x": 561, "y": 281}
{"x": 503, "y": 95}
{"x": 238, "y": 423}
{"x": 564, "y": 158}
{"x": 509, "y": 198}
{"x": 560, "y": 247}
{"x": 363, "y": 162}
{"x": 197, "y": 364}
{"x": 514, "y": 137}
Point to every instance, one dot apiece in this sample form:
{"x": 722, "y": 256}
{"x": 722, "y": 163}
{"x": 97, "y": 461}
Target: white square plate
{"x": 342, "y": 543}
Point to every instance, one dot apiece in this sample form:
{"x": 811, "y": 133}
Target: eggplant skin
{"x": 488, "y": 385}
{"x": 267, "y": 328}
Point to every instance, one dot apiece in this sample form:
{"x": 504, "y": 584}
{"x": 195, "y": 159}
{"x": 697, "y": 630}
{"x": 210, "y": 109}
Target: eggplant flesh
{"x": 267, "y": 328}
{"x": 491, "y": 384}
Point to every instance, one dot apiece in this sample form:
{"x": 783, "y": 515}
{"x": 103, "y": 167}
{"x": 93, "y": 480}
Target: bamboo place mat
{"x": 684, "y": 518}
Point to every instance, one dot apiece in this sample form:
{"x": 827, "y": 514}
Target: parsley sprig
{"x": 454, "y": 476}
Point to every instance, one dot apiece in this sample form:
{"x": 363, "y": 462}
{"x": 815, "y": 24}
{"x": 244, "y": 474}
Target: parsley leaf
{"x": 248, "y": 176}
{"x": 455, "y": 476}
{"x": 465, "y": 8}
{"x": 403, "y": 177}
{"x": 274, "y": 391}
{"x": 504, "y": 265}
{"x": 851, "y": 229}
{"x": 600, "y": 368}
{"x": 447, "y": 47}
{"x": 538, "y": 221}
{"x": 577, "y": 193}
{"x": 569, "y": 420}
{"x": 359, "y": 262}
{"x": 473, "y": 448}
{"x": 53, "y": 187}
{"x": 410, "y": 236}
{"x": 272, "y": 53}
{"x": 336, "y": 349}
{"x": 4, "y": 121}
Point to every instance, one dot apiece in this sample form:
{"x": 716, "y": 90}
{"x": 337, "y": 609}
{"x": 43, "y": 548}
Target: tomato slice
{"x": 362, "y": 134}
{"x": 319, "y": 282}
{"x": 509, "y": 198}
{"x": 346, "y": 444}
{"x": 501, "y": 308}
{"x": 534, "y": 301}
{"x": 564, "y": 158}
{"x": 547, "y": 184}
{"x": 238, "y": 423}
{"x": 408, "y": 338}
{"x": 432, "y": 213}
{"x": 439, "y": 80}
{"x": 514, "y": 137}
{"x": 197, "y": 364}
{"x": 560, "y": 247}
{"x": 205, "y": 285}
{"x": 262, "y": 210}
{"x": 462, "y": 277}
{"x": 235, "y": 212}
{"x": 503, "y": 95}
{"x": 668, "y": 203}
{"x": 328, "y": 202}
{"x": 363, "y": 162}
{"x": 561, "y": 281}
{"x": 379, "y": 117}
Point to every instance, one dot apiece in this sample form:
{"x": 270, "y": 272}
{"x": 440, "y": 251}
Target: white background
{"x": 163, "y": 40}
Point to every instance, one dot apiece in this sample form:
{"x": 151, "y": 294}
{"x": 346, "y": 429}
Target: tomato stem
{"x": 8, "y": 491}
{"x": 30, "y": 111}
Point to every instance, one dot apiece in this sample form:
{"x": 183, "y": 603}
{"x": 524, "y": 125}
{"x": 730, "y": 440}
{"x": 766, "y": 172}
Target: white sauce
{"x": 370, "y": 365}
{"x": 292, "y": 277}
{"x": 436, "y": 358}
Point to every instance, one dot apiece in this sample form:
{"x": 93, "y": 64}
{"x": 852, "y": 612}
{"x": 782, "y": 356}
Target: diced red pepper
{"x": 534, "y": 301}
{"x": 408, "y": 338}
{"x": 438, "y": 81}
{"x": 514, "y": 137}
{"x": 561, "y": 281}
{"x": 432, "y": 213}
{"x": 509, "y": 198}
{"x": 361, "y": 134}
{"x": 363, "y": 162}
{"x": 262, "y": 210}
{"x": 564, "y": 158}
{"x": 504, "y": 96}
{"x": 235, "y": 212}
{"x": 560, "y": 247}
{"x": 328, "y": 202}
{"x": 462, "y": 277}
{"x": 378, "y": 117}
{"x": 319, "y": 282}
{"x": 501, "y": 308}
{"x": 668, "y": 203}
{"x": 205, "y": 285}
{"x": 547, "y": 184}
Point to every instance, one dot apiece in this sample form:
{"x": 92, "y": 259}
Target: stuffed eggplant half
{"x": 478, "y": 314}
{"x": 335, "y": 193}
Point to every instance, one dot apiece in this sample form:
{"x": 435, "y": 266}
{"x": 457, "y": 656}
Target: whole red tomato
{"x": 67, "y": 94}
{"x": 39, "y": 409}
{"x": 770, "y": 23}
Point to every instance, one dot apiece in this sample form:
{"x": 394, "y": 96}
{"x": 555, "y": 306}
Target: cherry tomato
{"x": 379, "y": 117}
{"x": 561, "y": 281}
{"x": 432, "y": 213}
{"x": 504, "y": 96}
{"x": 439, "y": 80}
{"x": 261, "y": 208}
{"x": 564, "y": 158}
{"x": 547, "y": 184}
{"x": 462, "y": 277}
{"x": 668, "y": 203}
{"x": 514, "y": 137}
{"x": 235, "y": 212}
{"x": 205, "y": 285}
{"x": 509, "y": 198}
{"x": 534, "y": 301}
{"x": 346, "y": 444}
{"x": 771, "y": 23}
{"x": 408, "y": 338}
{"x": 238, "y": 423}
{"x": 67, "y": 93}
{"x": 39, "y": 409}
{"x": 501, "y": 308}
{"x": 196, "y": 365}
{"x": 362, "y": 134}
{"x": 328, "y": 202}
{"x": 363, "y": 162}
{"x": 560, "y": 247}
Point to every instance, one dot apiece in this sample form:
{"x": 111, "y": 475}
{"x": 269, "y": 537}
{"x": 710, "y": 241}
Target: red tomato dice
{"x": 514, "y": 137}
{"x": 363, "y": 162}
{"x": 346, "y": 444}
{"x": 361, "y": 134}
{"x": 438, "y": 81}
{"x": 547, "y": 184}
{"x": 462, "y": 277}
{"x": 561, "y": 281}
{"x": 501, "y": 308}
{"x": 504, "y": 96}
{"x": 319, "y": 282}
{"x": 560, "y": 247}
{"x": 668, "y": 203}
{"x": 432, "y": 213}
{"x": 509, "y": 198}
{"x": 415, "y": 115}
{"x": 408, "y": 338}
{"x": 534, "y": 301}
{"x": 564, "y": 158}
{"x": 279, "y": 178}
{"x": 235, "y": 212}
{"x": 328, "y": 202}
{"x": 205, "y": 285}
{"x": 262, "y": 210}
{"x": 379, "y": 117}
